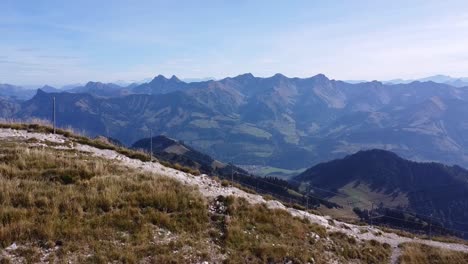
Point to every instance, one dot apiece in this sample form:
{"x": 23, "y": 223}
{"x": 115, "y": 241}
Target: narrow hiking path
{"x": 211, "y": 188}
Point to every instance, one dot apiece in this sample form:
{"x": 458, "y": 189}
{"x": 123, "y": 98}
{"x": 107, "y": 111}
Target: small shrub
{"x": 225, "y": 183}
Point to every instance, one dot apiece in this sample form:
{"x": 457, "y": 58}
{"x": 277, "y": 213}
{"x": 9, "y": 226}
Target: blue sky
{"x": 61, "y": 42}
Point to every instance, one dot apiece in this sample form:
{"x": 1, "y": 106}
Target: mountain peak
{"x": 160, "y": 77}
{"x": 245, "y": 76}
{"x": 438, "y": 78}
{"x": 175, "y": 79}
{"x": 40, "y": 92}
{"x": 376, "y": 82}
{"x": 279, "y": 75}
{"x": 92, "y": 84}
{"x": 377, "y": 167}
{"x": 321, "y": 76}
{"x": 49, "y": 89}
{"x": 375, "y": 153}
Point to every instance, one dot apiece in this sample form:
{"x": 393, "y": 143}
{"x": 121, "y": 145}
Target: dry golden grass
{"x": 91, "y": 206}
{"x": 414, "y": 253}
{"x": 259, "y": 235}
{"x": 447, "y": 239}
{"x": 256, "y": 234}
{"x": 179, "y": 167}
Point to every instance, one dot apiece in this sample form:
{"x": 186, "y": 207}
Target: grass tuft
{"x": 415, "y": 253}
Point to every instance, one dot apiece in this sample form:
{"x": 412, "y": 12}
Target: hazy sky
{"x": 59, "y": 42}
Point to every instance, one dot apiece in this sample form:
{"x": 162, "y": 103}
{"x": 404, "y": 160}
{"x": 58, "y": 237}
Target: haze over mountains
{"x": 457, "y": 82}
{"x": 27, "y": 92}
{"x": 278, "y": 121}
{"x": 117, "y": 88}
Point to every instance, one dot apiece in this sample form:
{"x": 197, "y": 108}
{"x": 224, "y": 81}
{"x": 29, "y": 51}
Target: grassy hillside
{"x": 59, "y": 205}
{"x": 402, "y": 193}
{"x": 86, "y": 209}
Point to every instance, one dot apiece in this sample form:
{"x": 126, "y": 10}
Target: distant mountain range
{"x": 456, "y": 82}
{"x": 444, "y": 79}
{"x": 117, "y": 88}
{"x": 120, "y": 88}
{"x": 391, "y": 182}
{"x": 281, "y": 122}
